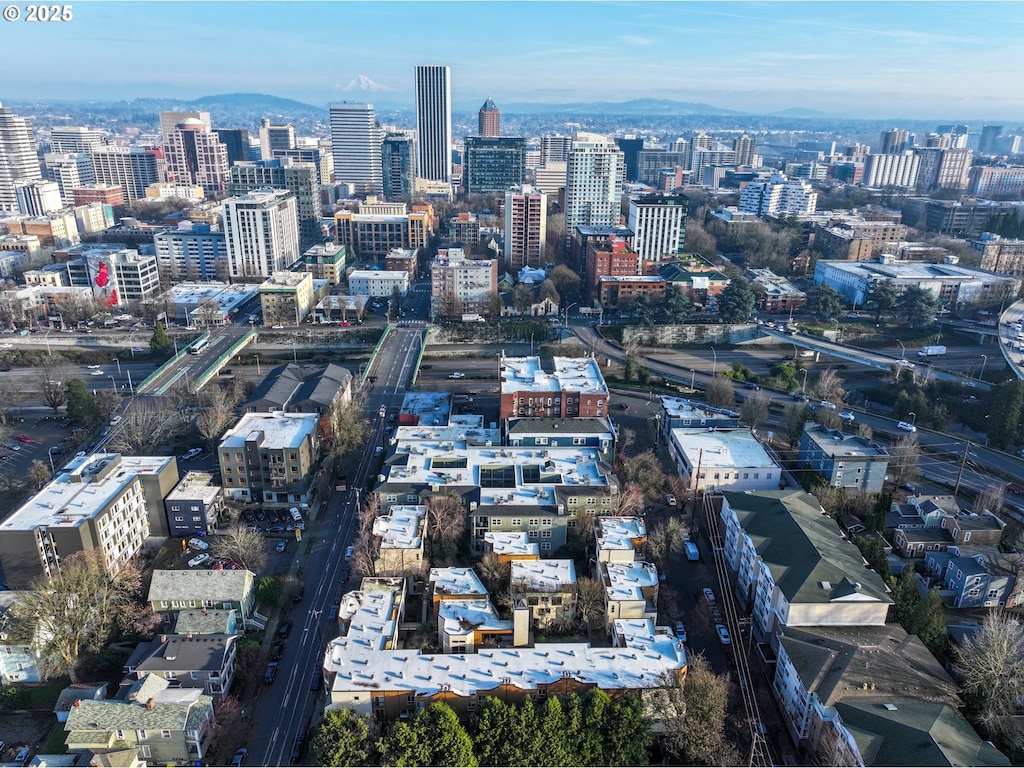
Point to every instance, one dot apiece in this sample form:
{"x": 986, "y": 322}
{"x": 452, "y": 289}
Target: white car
{"x": 848, "y": 416}
{"x": 457, "y": 375}
{"x": 830, "y": 406}
{"x": 905, "y": 364}
{"x": 94, "y": 367}
{"x": 906, "y": 426}
{"x": 197, "y": 543}
{"x": 278, "y": 327}
{"x": 115, "y": 421}
{"x": 199, "y": 559}
{"x": 191, "y": 453}
{"x": 96, "y": 373}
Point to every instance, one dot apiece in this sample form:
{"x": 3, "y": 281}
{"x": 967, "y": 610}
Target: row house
{"x": 575, "y": 387}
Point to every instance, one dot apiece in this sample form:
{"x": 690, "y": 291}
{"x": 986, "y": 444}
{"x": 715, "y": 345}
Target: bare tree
{"x": 589, "y": 599}
{"x": 905, "y": 457}
{"x": 991, "y": 499}
{"x": 493, "y": 572}
{"x": 665, "y": 541}
{"x": 12, "y": 394}
{"x": 73, "y": 612}
{"x": 754, "y": 410}
{"x": 365, "y": 552}
{"x": 720, "y": 392}
{"x": 446, "y": 521}
{"x": 215, "y": 414}
{"x": 645, "y": 472}
{"x": 828, "y": 418}
{"x": 242, "y": 545}
{"x": 38, "y": 473}
{"x": 863, "y": 430}
{"x": 629, "y": 503}
{"x": 990, "y": 665}
{"x": 149, "y": 424}
{"x": 829, "y": 386}
{"x": 794, "y": 418}
{"x": 345, "y": 426}
{"x": 53, "y": 383}
{"x": 209, "y": 312}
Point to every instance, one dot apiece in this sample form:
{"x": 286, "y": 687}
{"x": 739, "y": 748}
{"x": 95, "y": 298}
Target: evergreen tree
{"x": 736, "y": 303}
{"x": 627, "y": 734}
{"x": 160, "y": 342}
{"x": 918, "y": 306}
{"x": 823, "y": 302}
{"x": 928, "y": 622}
{"x": 1005, "y": 408}
{"x": 82, "y": 405}
{"x": 341, "y": 739}
{"x": 881, "y": 298}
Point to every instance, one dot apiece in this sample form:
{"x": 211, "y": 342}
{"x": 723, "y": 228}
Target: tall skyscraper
{"x": 489, "y": 120}
{"x": 69, "y": 170}
{"x": 18, "y": 161}
{"x": 236, "y": 141}
{"x": 433, "y": 123}
{"x": 38, "y": 198}
{"x": 131, "y": 168}
{"x": 554, "y": 149}
{"x": 261, "y": 231}
{"x": 493, "y": 164}
{"x": 700, "y": 140}
{"x": 989, "y": 134}
{"x": 894, "y": 142}
{"x": 631, "y": 147}
{"x": 169, "y": 121}
{"x": 275, "y": 137}
{"x": 526, "y": 210}
{"x": 356, "y": 137}
{"x": 593, "y": 183}
{"x": 398, "y": 160}
{"x": 68, "y": 140}
{"x": 744, "y": 147}
{"x": 301, "y": 179}
{"x": 659, "y": 225}
{"x": 194, "y": 155}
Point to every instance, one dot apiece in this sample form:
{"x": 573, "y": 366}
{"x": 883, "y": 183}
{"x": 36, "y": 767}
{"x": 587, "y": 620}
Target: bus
{"x": 199, "y": 346}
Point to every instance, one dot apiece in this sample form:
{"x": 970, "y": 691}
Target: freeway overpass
{"x": 194, "y": 370}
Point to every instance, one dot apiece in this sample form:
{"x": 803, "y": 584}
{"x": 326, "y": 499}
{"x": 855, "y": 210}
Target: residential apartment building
{"x": 988, "y": 181}
{"x": 844, "y": 461}
{"x": 778, "y": 196}
{"x": 401, "y": 531}
{"x": 618, "y": 539}
{"x": 548, "y": 588}
{"x": 459, "y": 285}
{"x": 73, "y": 139}
{"x": 574, "y": 388}
{"x": 115, "y": 274}
{"x": 38, "y": 198}
{"x": 176, "y": 593}
{"x": 802, "y": 571}
{"x": 434, "y": 123}
{"x": 192, "y": 506}
{"x": 398, "y": 161}
{"x": 630, "y": 590}
{"x": 723, "y": 459}
{"x": 609, "y": 257}
{"x": 194, "y": 155}
{"x": 131, "y": 168}
{"x": 620, "y": 291}
{"x": 593, "y": 183}
{"x": 526, "y": 211}
{"x": 943, "y": 168}
{"x": 774, "y": 293}
{"x": 18, "y": 160}
{"x": 651, "y": 163}
{"x": 299, "y": 178}
{"x": 377, "y": 283}
{"x": 998, "y": 254}
{"x": 193, "y": 252}
{"x": 966, "y": 217}
{"x": 261, "y": 231}
{"x": 493, "y": 163}
{"x": 540, "y": 431}
{"x": 269, "y": 457}
{"x": 356, "y": 138}
{"x": 659, "y": 225}
{"x": 975, "y": 577}
{"x": 69, "y": 170}
{"x": 93, "y": 217}
{"x": 891, "y": 170}
{"x": 856, "y": 240}
{"x": 327, "y": 261}
{"x": 287, "y": 298}
{"x": 204, "y": 662}
{"x": 301, "y": 389}
{"x": 107, "y": 194}
{"x": 103, "y": 501}
{"x": 371, "y": 236}
{"x": 680, "y": 413}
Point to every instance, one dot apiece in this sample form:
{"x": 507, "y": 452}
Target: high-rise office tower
{"x": 593, "y": 183}
{"x": 894, "y": 142}
{"x": 356, "y": 137}
{"x": 194, "y": 155}
{"x": 659, "y": 225}
{"x": 68, "y": 140}
{"x": 555, "y": 149}
{"x": 18, "y": 160}
{"x": 891, "y": 170}
{"x": 275, "y": 137}
{"x": 398, "y": 160}
{"x": 69, "y": 170}
{"x": 744, "y": 147}
{"x": 38, "y": 198}
{"x": 322, "y": 160}
{"x": 526, "y": 211}
{"x": 261, "y": 232}
{"x": 987, "y": 142}
{"x": 301, "y": 179}
{"x": 131, "y": 168}
{"x": 236, "y": 141}
{"x": 489, "y": 120}
{"x": 169, "y": 121}
{"x": 493, "y": 164}
{"x": 433, "y": 123}
{"x": 631, "y": 148}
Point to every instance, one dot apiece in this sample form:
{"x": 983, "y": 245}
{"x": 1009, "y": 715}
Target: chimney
{"x": 78, "y": 702}
{"x": 149, "y": 704}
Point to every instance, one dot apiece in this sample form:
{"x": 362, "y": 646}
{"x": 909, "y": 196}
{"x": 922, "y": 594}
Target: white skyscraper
{"x": 261, "y": 230}
{"x": 593, "y": 182}
{"x": 69, "y": 170}
{"x": 18, "y": 161}
{"x": 69, "y": 140}
{"x": 433, "y": 123}
{"x": 356, "y": 139}
{"x": 659, "y": 225}
{"x": 38, "y": 198}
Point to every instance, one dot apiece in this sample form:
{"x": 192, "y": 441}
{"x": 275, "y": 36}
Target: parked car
{"x": 270, "y": 673}
{"x": 680, "y": 631}
{"x": 284, "y": 630}
{"x": 378, "y": 450}
{"x": 909, "y": 487}
{"x": 752, "y": 385}
{"x": 275, "y": 529}
{"x": 115, "y": 421}
{"x": 25, "y": 438}
{"x": 277, "y": 652}
{"x": 351, "y": 550}
{"x": 906, "y": 426}
{"x": 282, "y": 545}
{"x": 300, "y": 593}
{"x": 848, "y": 416}
{"x": 239, "y": 757}
{"x": 709, "y": 596}
{"x": 297, "y": 746}
{"x": 827, "y": 404}
{"x": 316, "y": 681}
{"x": 723, "y": 634}
{"x": 191, "y": 453}
{"x": 197, "y": 543}
{"x": 199, "y": 559}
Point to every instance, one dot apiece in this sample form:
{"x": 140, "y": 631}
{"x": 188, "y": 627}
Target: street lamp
{"x": 835, "y": 333}
{"x": 714, "y": 366}
{"x": 565, "y": 320}
{"x": 258, "y": 371}
{"x": 118, "y": 366}
{"x": 803, "y": 388}
{"x": 692, "y": 374}
{"x": 113, "y": 383}
{"x": 984, "y": 359}
{"x": 131, "y": 387}
{"x": 904, "y": 355}
{"x": 49, "y": 452}
{"x": 914, "y": 419}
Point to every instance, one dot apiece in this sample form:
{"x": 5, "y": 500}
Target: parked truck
{"x": 932, "y": 351}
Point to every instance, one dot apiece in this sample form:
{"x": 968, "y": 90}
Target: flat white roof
{"x": 456, "y": 581}
{"x": 447, "y": 433}
{"x": 722, "y": 448}
{"x": 626, "y": 580}
{"x": 377, "y": 274}
{"x": 681, "y": 408}
{"x": 195, "y": 485}
{"x": 463, "y": 617}
{"x": 572, "y": 374}
{"x": 227, "y": 297}
{"x": 401, "y": 528}
{"x": 280, "y": 430}
{"x": 619, "y": 532}
{"x": 81, "y": 490}
{"x": 512, "y": 543}
{"x": 543, "y": 575}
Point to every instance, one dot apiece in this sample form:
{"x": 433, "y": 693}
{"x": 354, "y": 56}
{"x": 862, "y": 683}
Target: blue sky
{"x": 943, "y": 60}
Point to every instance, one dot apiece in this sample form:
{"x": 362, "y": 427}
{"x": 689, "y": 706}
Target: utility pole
{"x": 960, "y": 473}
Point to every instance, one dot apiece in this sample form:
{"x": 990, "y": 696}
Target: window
{"x": 143, "y": 735}
{"x": 967, "y": 537}
{"x": 545, "y": 521}
{"x": 193, "y": 675}
{"x": 172, "y": 675}
{"x": 165, "y": 734}
{"x": 541, "y": 441}
{"x": 495, "y": 522}
{"x": 534, "y": 522}
{"x": 545, "y": 546}
{"x": 119, "y": 734}
{"x": 545, "y": 534}
{"x": 175, "y": 508}
{"x": 517, "y": 521}
{"x": 411, "y": 699}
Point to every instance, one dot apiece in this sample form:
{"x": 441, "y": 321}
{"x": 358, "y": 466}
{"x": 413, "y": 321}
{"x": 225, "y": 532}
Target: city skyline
{"x": 894, "y": 60}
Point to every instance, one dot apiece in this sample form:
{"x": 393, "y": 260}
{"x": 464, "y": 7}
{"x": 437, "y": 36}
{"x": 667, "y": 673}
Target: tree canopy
{"x": 736, "y": 303}
{"x": 160, "y": 343}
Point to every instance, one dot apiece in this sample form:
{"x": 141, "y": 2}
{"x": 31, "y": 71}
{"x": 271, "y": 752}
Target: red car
{"x": 25, "y": 438}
